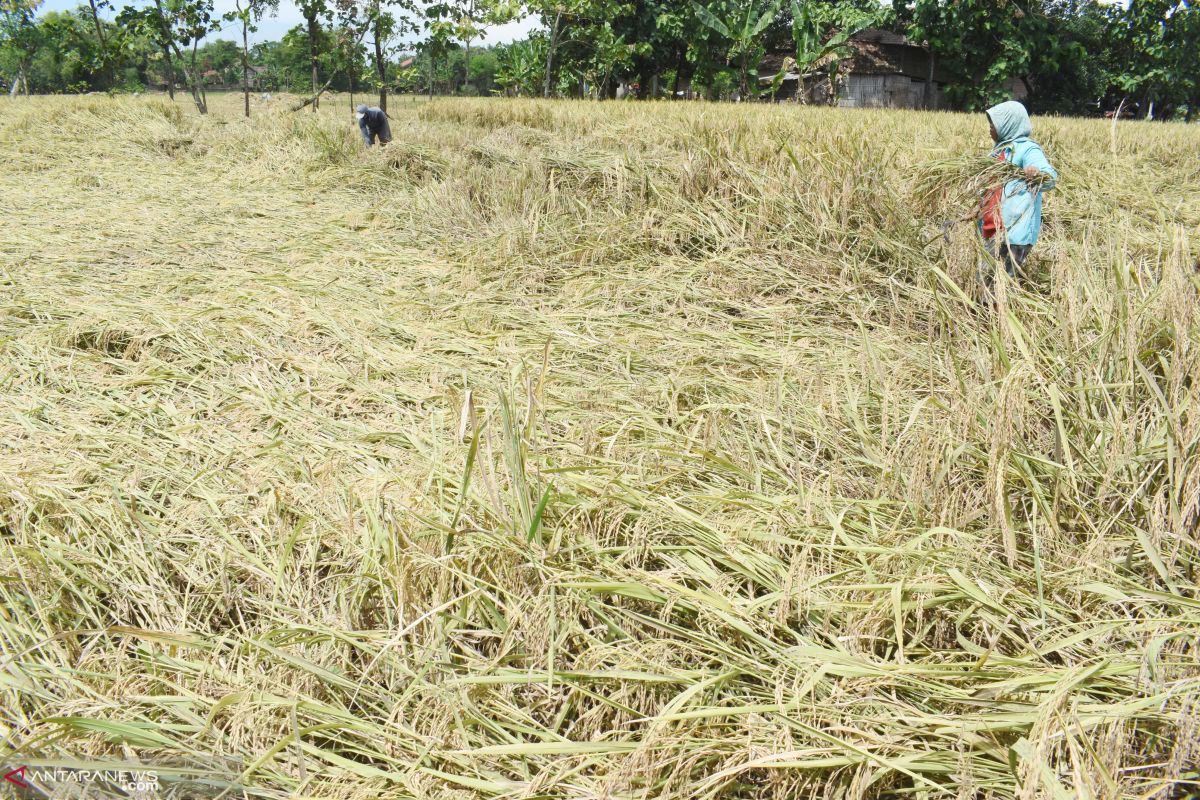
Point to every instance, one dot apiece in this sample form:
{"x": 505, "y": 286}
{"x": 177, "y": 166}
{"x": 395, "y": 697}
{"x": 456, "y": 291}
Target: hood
{"x": 1011, "y": 121}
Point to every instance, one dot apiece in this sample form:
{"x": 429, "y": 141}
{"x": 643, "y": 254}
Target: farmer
{"x": 373, "y": 122}
{"x": 1011, "y": 215}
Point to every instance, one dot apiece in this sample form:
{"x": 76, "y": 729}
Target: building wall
{"x": 885, "y": 91}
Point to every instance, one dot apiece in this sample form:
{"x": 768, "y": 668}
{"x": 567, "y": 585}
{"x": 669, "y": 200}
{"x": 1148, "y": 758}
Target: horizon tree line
{"x": 1076, "y": 56}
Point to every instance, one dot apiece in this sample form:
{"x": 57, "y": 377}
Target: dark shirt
{"x": 374, "y": 119}
{"x": 374, "y": 124}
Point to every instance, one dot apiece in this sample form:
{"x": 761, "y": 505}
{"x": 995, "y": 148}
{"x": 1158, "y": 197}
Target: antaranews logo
{"x": 35, "y": 781}
{"x": 17, "y": 777}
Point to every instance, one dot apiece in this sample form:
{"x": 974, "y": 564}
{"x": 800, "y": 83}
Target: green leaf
{"x": 767, "y": 18}
{"x": 711, "y": 20}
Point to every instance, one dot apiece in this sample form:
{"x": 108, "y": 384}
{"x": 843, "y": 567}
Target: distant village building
{"x": 214, "y": 79}
{"x": 883, "y": 70}
{"x": 258, "y": 76}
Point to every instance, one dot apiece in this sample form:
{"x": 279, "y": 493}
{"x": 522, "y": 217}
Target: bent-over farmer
{"x": 1011, "y": 215}
{"x": 373, "y": 122}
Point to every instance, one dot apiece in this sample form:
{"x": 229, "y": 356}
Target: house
{"x": 258, "y": 77}
{"x": 883, "y": 70}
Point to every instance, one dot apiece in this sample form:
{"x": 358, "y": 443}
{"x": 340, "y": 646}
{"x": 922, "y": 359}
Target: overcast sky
{"x": 289, "y": 17}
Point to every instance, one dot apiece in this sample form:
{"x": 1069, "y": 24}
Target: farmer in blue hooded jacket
{"x": 1011, "y": 215}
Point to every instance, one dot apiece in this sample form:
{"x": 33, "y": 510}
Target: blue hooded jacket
{"x": 1020, "y": 208}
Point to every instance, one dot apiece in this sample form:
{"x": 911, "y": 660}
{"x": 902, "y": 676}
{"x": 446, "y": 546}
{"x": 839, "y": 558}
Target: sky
{"x": 289, "y": 17}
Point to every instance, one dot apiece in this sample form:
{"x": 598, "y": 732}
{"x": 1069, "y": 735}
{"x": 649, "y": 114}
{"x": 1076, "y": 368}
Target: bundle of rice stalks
{"x": 962, "y": 180}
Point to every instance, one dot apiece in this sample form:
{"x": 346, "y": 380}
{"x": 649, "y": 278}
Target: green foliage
{"x": 1157, "y": 42}
{"x": 979, "y": 43}
{"x": 1074, "y": 67}
{"x": 222, "y": 57}
{"x": 742, "y": 27}
{"x": 1075, "y": 56}
{"x": 519, "y": 67}
{"x": 821, "y": 32}
{"x": 287, "y": 61}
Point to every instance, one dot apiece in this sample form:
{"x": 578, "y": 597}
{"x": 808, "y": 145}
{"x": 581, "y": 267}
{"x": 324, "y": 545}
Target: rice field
{"x": 575, "y": 450}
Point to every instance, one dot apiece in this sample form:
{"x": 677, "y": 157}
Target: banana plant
{"x": 742, "y": 27}
{"x": 815, "y": 45}
{"x": 519, "y": 67}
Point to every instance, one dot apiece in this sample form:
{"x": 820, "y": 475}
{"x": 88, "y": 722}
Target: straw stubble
{"x": 594, "y": 450}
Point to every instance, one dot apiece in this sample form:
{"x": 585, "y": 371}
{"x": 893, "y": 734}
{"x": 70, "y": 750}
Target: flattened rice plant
{"x": 593, "y": 450}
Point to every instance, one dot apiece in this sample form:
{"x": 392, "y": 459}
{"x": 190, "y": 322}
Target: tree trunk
{"x": 680, "y": 66}
{"x": 466, "y": 65}
{"x": 245, "y": 63}
{"x": 24, "y": 79}
{"x": 189, "y": 75}
{"x": 380, "y": 64}
{"x": 197, "y": 84}
{"x": 103, "y": 44}
{"x": 192, "y": 77}
{"x": 550, "y": 53}
{"x": 164, "y": 30}
{"x": 314, "y": 30}
{"x": 170, "y": 72}
{"x": 430, "y": 73}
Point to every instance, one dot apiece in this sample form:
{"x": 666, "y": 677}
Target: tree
{"x": 440, "y": 34}
{"x": 1156, "y": 42}
{"x": 189, "y": 21}
{"x": 247, "y": 13}
{"x": 979, "y": 43}
{"x": 820, "y": 33}
{"x": 221, "y": 58}
{"x": 1075, "y": 67}
{"x": 742, "y": 27}
{"x": 610, "y": 53}
{"x": 354, "y": 19}
{"x": 19, "y": 38}
{"x": 466, "y": 21}
{"x": 151, "y": 23}
{"x": 66, "y": 54}
{"x": 105, "y": 56}
{"x": 518, "y": 67}
{"x": 472, "y": 18}
{"x": 385, "y": 27}
{"x": 312, "y": 11}
{"x": 579, "y": 23}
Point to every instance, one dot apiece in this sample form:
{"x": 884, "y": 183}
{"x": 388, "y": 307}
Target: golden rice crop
{"x": 568, "y": 450}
